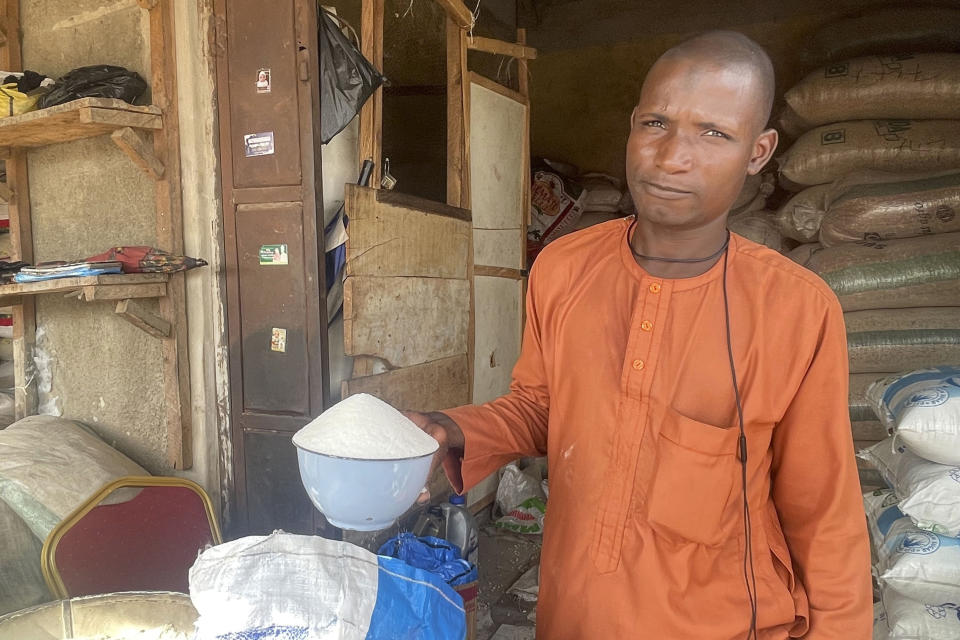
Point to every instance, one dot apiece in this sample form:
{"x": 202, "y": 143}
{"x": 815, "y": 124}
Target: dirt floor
{"x": 504, "y": 559}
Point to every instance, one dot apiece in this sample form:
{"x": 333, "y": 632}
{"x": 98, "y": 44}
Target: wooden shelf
{"x": 90, "y": 288}
{"x": 84, "y": 118}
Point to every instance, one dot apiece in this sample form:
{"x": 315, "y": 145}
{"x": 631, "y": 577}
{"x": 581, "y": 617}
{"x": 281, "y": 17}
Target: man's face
{"x": 693, "y": 139}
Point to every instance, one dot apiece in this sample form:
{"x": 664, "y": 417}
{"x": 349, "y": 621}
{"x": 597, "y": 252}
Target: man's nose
{"x": 674, "y": 154}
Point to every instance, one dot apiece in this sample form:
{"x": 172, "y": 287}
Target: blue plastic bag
{"x": 431, "y": 554}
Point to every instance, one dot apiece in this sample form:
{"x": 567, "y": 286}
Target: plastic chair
{"x": 146, "y": 542}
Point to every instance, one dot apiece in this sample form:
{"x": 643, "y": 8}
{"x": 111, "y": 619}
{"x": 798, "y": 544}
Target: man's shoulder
{"x": 574, "y": 249}
{"x": 781, "y": 275}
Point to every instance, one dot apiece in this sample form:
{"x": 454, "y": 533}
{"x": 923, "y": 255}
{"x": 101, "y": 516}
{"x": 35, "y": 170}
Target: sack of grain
{"x": 603, "y": 192}
{"x": 929, "y": 492}
{"x": 800, "y": 217}
{"x": 917, "y": 564}
{"x": 893, "y": 274}
{"x": 880, "y": 340}
{"x": 889, "y": 30}
{"x": 909, "y": 619}
{"x": 924, "y": 86}
{"x": 879, "y": 204}
{"x": 589, "y": 219}
{"x": 828, "y": 152}
{"x": 801, "y": 255}
{"x": 758, "y": 226}
{"x": 923, "y": 409}
{"x": 867, "y": 428}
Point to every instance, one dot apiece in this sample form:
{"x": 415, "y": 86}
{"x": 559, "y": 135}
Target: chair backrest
{"x": 135, "y": 534}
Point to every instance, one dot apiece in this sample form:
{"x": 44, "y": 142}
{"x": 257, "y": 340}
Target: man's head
{"x": 699, "y": 129}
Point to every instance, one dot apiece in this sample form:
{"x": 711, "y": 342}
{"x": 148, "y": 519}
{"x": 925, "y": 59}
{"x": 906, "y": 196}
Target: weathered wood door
{"x": 269, "y": 126}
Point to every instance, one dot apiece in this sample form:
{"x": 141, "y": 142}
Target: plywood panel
{"x": 431, "y": 386}
{"x": 497, "y": 176}
{"x": 405, "y": 320}
{"x": 499, "y": 305}
{"x": 402, "y": 239}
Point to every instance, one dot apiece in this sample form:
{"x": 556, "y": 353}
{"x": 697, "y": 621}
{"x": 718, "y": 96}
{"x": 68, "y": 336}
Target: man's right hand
{"x": 442, "y": 429}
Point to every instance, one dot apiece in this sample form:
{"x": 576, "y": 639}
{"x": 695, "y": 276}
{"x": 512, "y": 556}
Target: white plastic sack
{"x": 287, "y": 587}
{"x": 923, "y": 410}
{"x": 912, "y": 620}
{"x": 919, "y": 564}
{"x": 929, "y": 492}
{"x": 880, "y": 629}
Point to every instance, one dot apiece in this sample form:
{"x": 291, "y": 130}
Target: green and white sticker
{"x": 273, "y": 254}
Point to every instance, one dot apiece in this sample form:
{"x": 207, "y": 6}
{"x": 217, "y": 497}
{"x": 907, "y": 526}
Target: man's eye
{"x": 717, "y": 134}
{"x": 654, "y": 123}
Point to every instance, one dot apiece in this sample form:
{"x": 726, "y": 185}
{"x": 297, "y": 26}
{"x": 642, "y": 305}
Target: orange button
{"x": 655, "y": 287}
{"x": 638, "y": 364}
{"x": 646, "y": 325}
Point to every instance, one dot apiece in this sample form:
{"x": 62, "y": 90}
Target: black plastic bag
{"x": 97, "y": 81}
{"x": 347, "y": 80}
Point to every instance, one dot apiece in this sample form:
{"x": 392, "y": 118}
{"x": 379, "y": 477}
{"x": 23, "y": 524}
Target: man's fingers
{"x": 424, "y": 496}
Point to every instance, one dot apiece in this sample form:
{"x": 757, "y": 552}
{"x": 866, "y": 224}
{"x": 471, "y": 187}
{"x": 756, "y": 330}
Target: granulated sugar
{"x": 363, "y": 426}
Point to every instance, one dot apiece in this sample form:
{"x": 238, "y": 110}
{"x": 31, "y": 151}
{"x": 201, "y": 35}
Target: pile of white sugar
{"x": 363, "y": 426}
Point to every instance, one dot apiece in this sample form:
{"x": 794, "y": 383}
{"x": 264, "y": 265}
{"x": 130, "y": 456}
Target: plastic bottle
{"x": 460, "y": 528}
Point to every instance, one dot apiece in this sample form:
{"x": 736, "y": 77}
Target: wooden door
{"x": 269, "y": 145}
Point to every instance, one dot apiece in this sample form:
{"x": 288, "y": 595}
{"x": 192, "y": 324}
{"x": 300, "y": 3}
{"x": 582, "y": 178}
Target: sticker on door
{"x": 258, "y": 144}
{"x": 273, "y": 254}
{"x": 263, "y": 81}
{"x": 278, "y": 340}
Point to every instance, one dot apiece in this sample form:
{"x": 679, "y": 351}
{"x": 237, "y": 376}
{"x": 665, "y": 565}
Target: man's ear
{"x": 763, "y": 148}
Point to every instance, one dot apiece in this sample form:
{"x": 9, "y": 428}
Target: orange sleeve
{"x": 514, "y": 425}
{"x": 817, "y": 493}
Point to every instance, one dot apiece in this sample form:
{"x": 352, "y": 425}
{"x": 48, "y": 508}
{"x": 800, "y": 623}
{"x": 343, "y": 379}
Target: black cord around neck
{"x": 637, "y": 254}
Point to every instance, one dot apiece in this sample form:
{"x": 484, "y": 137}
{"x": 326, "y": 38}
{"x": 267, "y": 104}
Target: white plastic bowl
{"x": 362, "y": 495}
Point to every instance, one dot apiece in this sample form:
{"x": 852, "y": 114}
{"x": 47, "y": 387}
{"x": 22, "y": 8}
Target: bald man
{"x": 689, "y": 387}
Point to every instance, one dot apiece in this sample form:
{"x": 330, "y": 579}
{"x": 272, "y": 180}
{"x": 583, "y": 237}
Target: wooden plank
{"x": 523, "y": 72}
{"x": 255, "y": 195}
{"x": 72, "y": 284}
{"x": 458, "y": 12}
{"x": 455, "y": 125}
{"x": 496, "y": 87}
{"x": 393, "y": 240}
{"x": 497, "y": 272}
{"x": 84, "y": 118}
{"x": 112, "y": 118}
{"x": 138, "y": 151}
{"x": 498, "y": 178}
{"x": 405, "y": 320}
{"x": 397, "y": 199}
{"x": 431, "y": 386}
{"x": 178, "y": 415}
{"x": 501, "y": 48}
{"x": 498, "y": 335}
{"x": 371, "y": 114}
{"x": 122, "y": 292}
{"x": 143, "y": 319}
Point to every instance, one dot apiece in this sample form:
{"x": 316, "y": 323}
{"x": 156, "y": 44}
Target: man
{"x": 626, "y": 382}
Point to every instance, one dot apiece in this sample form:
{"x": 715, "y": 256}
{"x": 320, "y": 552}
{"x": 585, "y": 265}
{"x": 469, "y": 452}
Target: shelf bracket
{"x": 5, "y": 192}
{"x": 143, "y": 319}
{"x": 138, "y": 151}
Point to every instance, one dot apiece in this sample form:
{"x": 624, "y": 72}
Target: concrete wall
{"x": 594, "y": 55}
{"x": 87, "y": 196}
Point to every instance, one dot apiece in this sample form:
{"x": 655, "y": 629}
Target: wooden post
{"x": 166, "y": 148}
{"x": 371, "y": 115}
{"x": 455, "y": 124}
{"x": 21, "y": 235}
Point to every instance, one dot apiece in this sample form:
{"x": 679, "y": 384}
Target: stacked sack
{"x": 915, "y": 523}
{"x": 877, "y": 166}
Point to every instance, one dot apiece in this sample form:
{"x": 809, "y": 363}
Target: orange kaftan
{"x": 624, "y": 382}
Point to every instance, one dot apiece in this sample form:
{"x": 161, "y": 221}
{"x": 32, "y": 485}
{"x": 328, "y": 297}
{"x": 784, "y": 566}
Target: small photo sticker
{"x": 278, "y": 340}
{"x": 273, "y": 254}
{"x": 263, "y": 81}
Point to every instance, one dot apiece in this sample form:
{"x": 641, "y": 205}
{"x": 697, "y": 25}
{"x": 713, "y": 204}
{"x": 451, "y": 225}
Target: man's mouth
{"x": 664, "y": 191}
